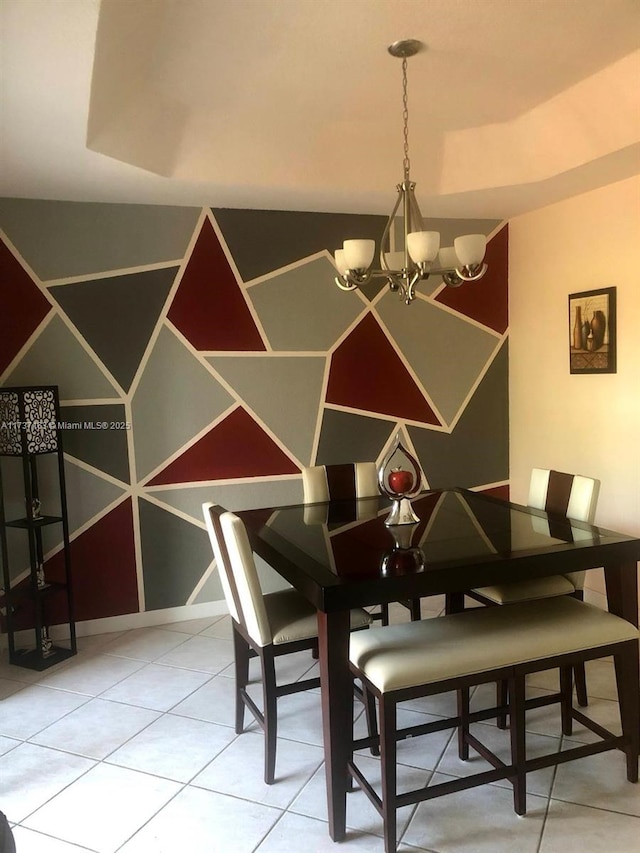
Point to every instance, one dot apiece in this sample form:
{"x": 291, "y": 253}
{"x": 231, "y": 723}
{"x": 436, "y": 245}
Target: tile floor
{"x": 130, "y": 747}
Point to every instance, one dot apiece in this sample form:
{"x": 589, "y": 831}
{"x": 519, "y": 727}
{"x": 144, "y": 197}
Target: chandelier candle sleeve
{"x": 358, "y": 254}
{"x": 415, "y": 261}
{"x": 423, "y": 246}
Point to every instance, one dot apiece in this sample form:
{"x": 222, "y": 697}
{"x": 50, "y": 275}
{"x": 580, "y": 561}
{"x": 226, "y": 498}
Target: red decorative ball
{"x": 400, "y": 481}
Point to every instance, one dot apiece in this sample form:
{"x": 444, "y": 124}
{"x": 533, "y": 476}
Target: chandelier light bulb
{"x": 470, "y": 249}
{"x": 358, "y": 254}
{"x": 339, "y": 260}
{"x": 423, "y": 246}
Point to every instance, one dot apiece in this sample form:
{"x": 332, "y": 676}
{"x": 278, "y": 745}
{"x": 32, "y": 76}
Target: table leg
{"x": 337, "y": 713}
{"x": 622, "y": 590}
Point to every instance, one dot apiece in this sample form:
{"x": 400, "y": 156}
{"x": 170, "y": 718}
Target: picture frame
{"x": 592, "y": 331}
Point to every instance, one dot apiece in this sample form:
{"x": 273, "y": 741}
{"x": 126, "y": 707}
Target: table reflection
{"x": 351, "y": 540}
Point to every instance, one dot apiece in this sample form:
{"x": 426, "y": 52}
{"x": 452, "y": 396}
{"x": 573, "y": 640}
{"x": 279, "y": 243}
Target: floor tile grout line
{"x": 183, "y": 785}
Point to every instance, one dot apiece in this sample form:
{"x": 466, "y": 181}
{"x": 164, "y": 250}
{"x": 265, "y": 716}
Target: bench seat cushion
{"x": 480, "y": 640}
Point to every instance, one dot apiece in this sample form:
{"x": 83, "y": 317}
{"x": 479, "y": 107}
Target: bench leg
{"x": 581, "y": 684}
{"x": 516, "y": 692}
{"x": 463, "y": 728}
{"x": 502, "y": 699}
{"x": 566, "y": 698}
{"x": 388, "y": 750}
{"x": 626, "y": 666}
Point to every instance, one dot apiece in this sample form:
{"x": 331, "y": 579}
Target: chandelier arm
{"x": 411, "y": 287}
{"x": 416, "y": 222}
{"x": 387, "y": 230}
{"x": 406, "y": 214}
{"x": 463, "y": 274}
{"x": 345, "y": 283}
{"x": 472, "y": 273}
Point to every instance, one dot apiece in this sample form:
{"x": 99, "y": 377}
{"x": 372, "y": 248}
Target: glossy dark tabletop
{"x": 341, "y": 554}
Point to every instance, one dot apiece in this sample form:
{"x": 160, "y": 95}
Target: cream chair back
{"x": 238, "y": 573}
{"x": 569, "y": 495}
{"x": 339, "y": 482}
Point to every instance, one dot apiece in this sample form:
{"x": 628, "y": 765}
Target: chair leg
{"x": 388, "y": 751}
{"x": 241, "y": 658}
{"x": 502, "y": 698}
{"x": 453, "y": 602}
{"x": 384, "y": 609}
{"x": 579, "y": 670}
{"x": 566, "y": 699}
{"x": 581, "y": 684}
{"x": 270, "y": 713}
{"x": 369, "y": 702}
{"x": 516, "y": 691}
{"x": 463, "y": 728}
{"x": 416, "y": 613}
{"x": 628, "y": 683}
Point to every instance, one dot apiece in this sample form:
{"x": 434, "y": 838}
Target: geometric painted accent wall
{"x": 219, "y": 367}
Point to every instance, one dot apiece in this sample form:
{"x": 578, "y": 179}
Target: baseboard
{"x": 127, "y": 621}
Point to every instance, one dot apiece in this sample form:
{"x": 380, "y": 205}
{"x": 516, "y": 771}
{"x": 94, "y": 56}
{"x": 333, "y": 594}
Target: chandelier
{"x": 421, "y": 255}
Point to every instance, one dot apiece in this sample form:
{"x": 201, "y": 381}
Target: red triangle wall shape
{"x": 236, "y": 448}
{"x": 486, "y": 300}
{"x": 208, "y": 307}
{"x": 367, "y": 373}
{"x": 103, "y": 568}
{"x": 22, "y": 307}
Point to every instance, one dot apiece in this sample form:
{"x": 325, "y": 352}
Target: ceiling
{"x": 296, "y": 104}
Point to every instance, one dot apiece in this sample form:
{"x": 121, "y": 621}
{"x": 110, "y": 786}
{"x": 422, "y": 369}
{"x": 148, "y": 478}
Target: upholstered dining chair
{"x": 266, "y": 626}
{"x": 346, "y": 482}
{"x": 563, "y": 496}
{"x": 483, "y": 645}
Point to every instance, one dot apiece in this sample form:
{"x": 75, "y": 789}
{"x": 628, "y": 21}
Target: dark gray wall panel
{"x": 265, "y": 240}
{"x": 105, "y": 449}
{"x": 60, "y": 239}
{"x": 175, "y": 555}
{"x": 117, "y": 315}
{"x": 351, "y": 438}
{"x": 477, "y": 452}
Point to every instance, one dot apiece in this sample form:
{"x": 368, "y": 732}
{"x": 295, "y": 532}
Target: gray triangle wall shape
{"x": 117, "y": 315}
{"x": 175, "y": 556}
{"x": 85, "y": 438}
{"x": 477, "y": 451}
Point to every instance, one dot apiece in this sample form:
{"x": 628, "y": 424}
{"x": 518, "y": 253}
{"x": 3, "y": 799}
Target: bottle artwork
{"x": 589, "y": 335}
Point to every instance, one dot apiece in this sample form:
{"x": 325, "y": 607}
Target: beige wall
{"x": 587, "y": 424}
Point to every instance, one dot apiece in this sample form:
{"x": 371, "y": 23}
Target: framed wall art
{"x": 592, "y": 331}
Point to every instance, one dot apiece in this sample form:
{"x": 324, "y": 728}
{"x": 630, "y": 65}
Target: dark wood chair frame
{"x": 245, "y": 648}
{"x": 626, "y": 659}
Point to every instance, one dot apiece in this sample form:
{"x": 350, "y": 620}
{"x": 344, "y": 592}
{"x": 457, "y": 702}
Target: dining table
{"x": 341, "y": 554}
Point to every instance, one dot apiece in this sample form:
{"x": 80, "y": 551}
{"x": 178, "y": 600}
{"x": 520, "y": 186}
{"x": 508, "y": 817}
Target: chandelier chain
{"x": 405, "y": 118}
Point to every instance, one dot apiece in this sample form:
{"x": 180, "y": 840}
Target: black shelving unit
{"x": 33, "y": 601}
